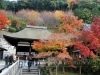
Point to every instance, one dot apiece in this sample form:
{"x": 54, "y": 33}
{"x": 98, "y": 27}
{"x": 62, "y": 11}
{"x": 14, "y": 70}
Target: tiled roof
{"x": 32, "y": 33}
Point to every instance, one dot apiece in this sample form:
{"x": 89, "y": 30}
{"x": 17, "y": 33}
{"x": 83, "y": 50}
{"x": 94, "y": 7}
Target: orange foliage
{"x": 55, "y": 34}
{"x": 64, "y": 55}
{"x": 63, "y": 37}
{"x": 58, "y": 14}
{"x": 43, "y": 54}
{"x": 70, "y": 24}
{"x": 32, "y": 15}
{"x": 64, "y": 51}
{"x": 56, "y": 48}
{"x": 50, "y": 45}
{"x": 32, "y": 23}
{"x": 69, "y": 2}
{"x": 3, "y": 21}
{"x": 51, "y": 48}
{"x": 75, "y": 1}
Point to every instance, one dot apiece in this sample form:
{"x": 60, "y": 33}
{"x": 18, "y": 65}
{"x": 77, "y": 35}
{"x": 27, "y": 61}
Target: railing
{"x": 39, "y": 71}
{"x": 11, "y": 70}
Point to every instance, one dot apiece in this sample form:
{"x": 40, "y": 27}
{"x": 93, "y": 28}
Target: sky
{"x": 12, "y": 0}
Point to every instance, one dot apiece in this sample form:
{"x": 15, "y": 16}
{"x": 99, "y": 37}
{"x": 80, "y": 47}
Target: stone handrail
{"x": 11, "y": 70}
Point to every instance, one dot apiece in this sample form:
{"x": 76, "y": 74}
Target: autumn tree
{"x": 50, "y": 45}
{"x": 49, "y": 18}
{"x": 58, "y": 14}
{"x": 55, "y": 47}
{"x": 70, "y": 3}
{"x": 88, "y": 41}
{"x": 32, "y": 17}
{"x": 88, "y": 44}
{"x": 91, "y": 37}
{"x": 84, "y": 50}
{"x": 70, "y": 24}
{"x": 3, "y": 21}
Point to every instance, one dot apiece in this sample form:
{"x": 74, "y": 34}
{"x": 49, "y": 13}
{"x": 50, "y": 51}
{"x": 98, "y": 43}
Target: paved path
{"x": 2, "y": 64}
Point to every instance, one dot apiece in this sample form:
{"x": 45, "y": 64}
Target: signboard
{"x": 26, "y": 53}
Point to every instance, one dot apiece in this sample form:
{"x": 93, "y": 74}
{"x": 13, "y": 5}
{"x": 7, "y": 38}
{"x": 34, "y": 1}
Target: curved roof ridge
{"x": 37, "y": 27}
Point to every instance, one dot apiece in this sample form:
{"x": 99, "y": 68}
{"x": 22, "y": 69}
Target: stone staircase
{"x": 33, "y": 71}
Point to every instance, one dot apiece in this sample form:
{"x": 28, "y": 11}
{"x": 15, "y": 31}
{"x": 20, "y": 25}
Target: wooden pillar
{"x": 30, "y": 49}
{"x": 16, "y": 47}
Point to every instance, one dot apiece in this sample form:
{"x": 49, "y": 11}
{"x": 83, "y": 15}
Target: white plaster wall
{"x": 10, "y": 49}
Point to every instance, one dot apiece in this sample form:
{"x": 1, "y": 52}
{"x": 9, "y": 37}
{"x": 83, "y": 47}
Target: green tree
{"x": 40, "y": 5}
{"x": 96, "y": 11}
{"x": 85, "y": 14}
{"x": 87, "y": 4}
{"x": 1, "y": 4}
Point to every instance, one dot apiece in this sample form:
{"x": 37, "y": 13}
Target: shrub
{"x": 16, "y": 24}
{"x": 12, "y": 29}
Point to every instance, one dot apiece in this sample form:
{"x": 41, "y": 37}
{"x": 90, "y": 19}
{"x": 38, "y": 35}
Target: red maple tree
{"x": 84, "y": 50}
{"x": 3, "y": 20}
{"x": 90, "y": 39}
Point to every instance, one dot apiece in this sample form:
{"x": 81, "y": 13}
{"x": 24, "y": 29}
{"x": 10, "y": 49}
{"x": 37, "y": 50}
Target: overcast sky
{"x": 12, "y": 0}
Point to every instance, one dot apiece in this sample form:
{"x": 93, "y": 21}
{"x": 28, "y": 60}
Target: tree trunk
{"x": 50, "y": 71}
{"x": 63, "y": 68}
{"x": 80, "y": 70}
{"x": 56, "y": 69}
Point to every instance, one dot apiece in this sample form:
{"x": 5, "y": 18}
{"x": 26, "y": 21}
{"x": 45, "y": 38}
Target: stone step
{"x": 33, "y": 67}
{"x": 30, "y": 74}
{"x": 30, "y": 70}
{"x": 33, "y": 70}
